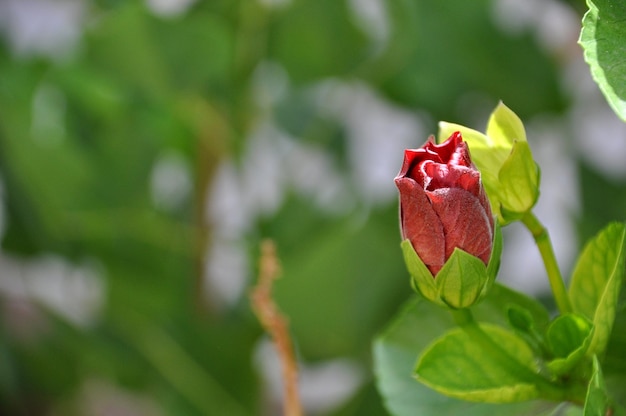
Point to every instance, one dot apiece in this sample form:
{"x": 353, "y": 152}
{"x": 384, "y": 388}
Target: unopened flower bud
{"x": 446, "y": 222}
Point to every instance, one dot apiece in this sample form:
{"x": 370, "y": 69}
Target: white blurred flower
{"x": 555, "y": 24}
{"x": 77, "y": 292}
{"x": 169, "y": 8}
{"x": 50, "y": 28}
{"x": 378, "y": 133}
{"x": 170, "y": 181}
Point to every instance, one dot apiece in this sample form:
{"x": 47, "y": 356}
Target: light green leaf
{"x": 597, "y": 280}
{"x": 421, "y": 322}
{"x": 602, "y": 38}
{"x": 505, "y": 127}
{"x": 475, "y": 137}
{"x": 460, "y": 365}
{"x": 597, "y": 400}
{"x": 569, "y": 337}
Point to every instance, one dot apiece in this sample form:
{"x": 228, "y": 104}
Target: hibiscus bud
{"x": 503, "y": 156}
{"x": 446, "y": 222}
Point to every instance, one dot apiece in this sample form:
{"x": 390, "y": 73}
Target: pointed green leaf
{"x": 475, "y": 137}
{"x": 419, "y": 324}
{"x": 596, "y": 282}
{"x": 602, "y": 38}
{"x": 459, "y": 365}
{"x": 569, "y": 337}
{"x": 505, "y": 127}
{"x": 597, "y": 400}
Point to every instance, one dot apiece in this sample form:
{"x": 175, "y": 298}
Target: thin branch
{"x": 276, "y": 325}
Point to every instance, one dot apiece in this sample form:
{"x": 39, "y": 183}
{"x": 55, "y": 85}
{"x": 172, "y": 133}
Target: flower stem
{"x": 542, "y": 239}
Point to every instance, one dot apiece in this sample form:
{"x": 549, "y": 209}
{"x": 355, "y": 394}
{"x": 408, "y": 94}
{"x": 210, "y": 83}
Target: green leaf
{"x": 602, "y": 38}
{"x": 569, "y": 337}
{"x": 501, "y": 370}
{"x": 421, "y": 322}
{"x": 505, "y": 127}
{"x": 597, "y": 400}
{"x": 597, "y": 280}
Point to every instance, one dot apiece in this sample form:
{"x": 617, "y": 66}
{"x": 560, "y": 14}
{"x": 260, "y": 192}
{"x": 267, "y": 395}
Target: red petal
{"x": 466, "y": 224}
{"x": 420, "y": 224}
{"x": 461, "y": 156}
{"x": 446, "y": 176}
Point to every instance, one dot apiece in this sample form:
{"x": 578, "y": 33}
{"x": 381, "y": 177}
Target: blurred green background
{"x": 146, "y": 147}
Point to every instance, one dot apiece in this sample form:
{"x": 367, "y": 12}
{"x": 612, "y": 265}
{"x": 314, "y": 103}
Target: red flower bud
{"x": 443, "y": 204}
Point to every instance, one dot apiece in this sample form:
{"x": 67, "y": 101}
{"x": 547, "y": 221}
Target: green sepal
{"x": 596, "y": 283}
{"x": 457, "y": 365}
{"x": 461, "y": 280}
{"x": 519, "y": 180}
{"x": 422, "y": 279}
{"x": 569, "y": 337}
{"x": 494, "y": 260}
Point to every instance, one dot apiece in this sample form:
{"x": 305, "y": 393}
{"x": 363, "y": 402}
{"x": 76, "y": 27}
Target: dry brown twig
{"x": 276, "y": 325}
